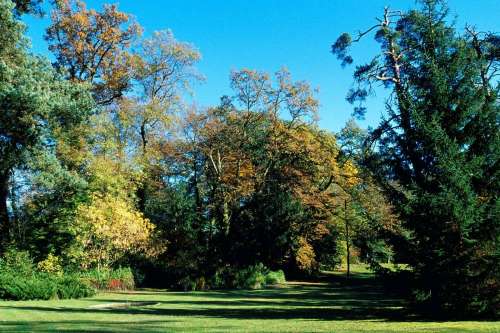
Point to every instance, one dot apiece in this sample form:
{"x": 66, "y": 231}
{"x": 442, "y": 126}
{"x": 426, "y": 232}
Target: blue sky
{"x": 266, "y": 35}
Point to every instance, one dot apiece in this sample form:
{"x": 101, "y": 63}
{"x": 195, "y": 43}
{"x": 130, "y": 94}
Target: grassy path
{"x": 357, "y": 306}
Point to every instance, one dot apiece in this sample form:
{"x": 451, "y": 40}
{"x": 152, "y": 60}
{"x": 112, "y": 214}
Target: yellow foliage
{"x": 52, "y": 264}
{"x": 305, "y": 256}
{"x": 113, "y": 227}
{"x": 350, "y": 174}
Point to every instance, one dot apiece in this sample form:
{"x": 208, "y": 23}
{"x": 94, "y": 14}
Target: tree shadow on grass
{"x": 88, "y": 326}
{"x": 336, "y": 301}
{"x": 243, "y": 312}
{"x": 320, "y": 302}
{"x": 294, "y": 296}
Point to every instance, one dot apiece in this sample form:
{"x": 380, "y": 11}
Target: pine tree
{"x": 35, "y": 104}
{"x": 437, "y": 151}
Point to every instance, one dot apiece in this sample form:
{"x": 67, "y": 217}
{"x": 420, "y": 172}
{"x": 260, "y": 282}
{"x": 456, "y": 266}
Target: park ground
{"x": 332, "y": 304}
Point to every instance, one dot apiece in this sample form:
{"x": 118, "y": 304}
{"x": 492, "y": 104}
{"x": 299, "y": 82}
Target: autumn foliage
{"x": 106, "y": 163}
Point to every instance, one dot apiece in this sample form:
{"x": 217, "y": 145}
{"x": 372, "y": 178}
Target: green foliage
{"x": 20, "y": 288}
{"x": 40, "y": 112}
{"x": 437, "y": 152}
{"x": 109, "y": 279}
{"x": 42, "y": 286}
{"x": 222, "y": 278}
{"x": 49, "y": 218}
{"x": 275, "y": 277}
{"x": 17, "y": 262}
{"x": 73, "y": 286}
{"x": 20, "y": 280}
{"x": 28, "y": 7}
{"x": 255, "y": 276}
{"x": 187, "y": 283}
{"x": 251, "y": 277}
{"x": 12, "y": 32}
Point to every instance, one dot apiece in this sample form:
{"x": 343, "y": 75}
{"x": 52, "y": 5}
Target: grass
{"x": 333, "y": 305}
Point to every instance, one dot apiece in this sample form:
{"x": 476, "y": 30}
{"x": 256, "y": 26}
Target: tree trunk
{"x": 141, "y": 189}
{"x": 141, "y": 197}
{"x": 348, "y": 249}
{"x": 4, "y": 214}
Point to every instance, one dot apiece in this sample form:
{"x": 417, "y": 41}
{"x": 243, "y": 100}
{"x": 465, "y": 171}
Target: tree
{"x": 47, "y": 223}
{"x": 438, "y": 149}
{"x": 165, "y": 69}
{"x": 265, "y": 183}
{"x": 165, "y": 72}
{"x": 93, "y": 47}
{"x": 111, "y": 228}
{"x": 28, "y": 7}
{"x": 35, "y": 102}
{"x": 108, "y": 224}
{"x": 371, "y": 223}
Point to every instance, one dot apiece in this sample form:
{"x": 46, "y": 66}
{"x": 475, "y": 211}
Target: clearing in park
{"x": 330, "y": 304}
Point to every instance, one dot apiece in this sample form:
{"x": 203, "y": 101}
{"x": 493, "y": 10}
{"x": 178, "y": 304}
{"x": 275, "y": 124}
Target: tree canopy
{"x": 436, "y": 153}
{"x": 104, "y": 162}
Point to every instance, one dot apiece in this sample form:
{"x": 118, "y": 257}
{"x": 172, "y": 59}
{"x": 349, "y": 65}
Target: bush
{"x": 42, "y": 286}
{"x": 223, "y": 278}
{"x": 19, "y": 280}
{"x": 257, "y": 276}
{"x": 187, "y": 284}
{"x": 275, "y": 277}
{"x": 21, "y": 288}
{"x": 252, "y": 277}
{"x": 17, "y": 263}
{"x": 52, "y": 264}
{"x": 71, "y": 286}
{"x": 109, "y": 279}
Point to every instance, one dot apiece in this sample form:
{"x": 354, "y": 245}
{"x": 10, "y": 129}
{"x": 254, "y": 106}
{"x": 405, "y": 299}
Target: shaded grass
{"x": 333, "y": 305}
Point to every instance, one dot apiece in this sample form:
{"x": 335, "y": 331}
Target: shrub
{"x": 17, "y": 263}
{"x": 109, "y": 279}
{"x": 21, "y": 288}
{"x": 42, "y": 286}
{"x": 223, "y": 278}
{"x": 19, "y": 280}
{"x": 201, "y": 283}
{"x": 275, "y": 277}
{"x": 71, "y": 286}
{"x": 252, "y": 277}
{"x": 187, "y": 283}
{"x": 52, "y": 264}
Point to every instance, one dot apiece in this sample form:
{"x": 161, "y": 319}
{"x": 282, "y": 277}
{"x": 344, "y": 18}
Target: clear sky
{"x": 268, "y": 34}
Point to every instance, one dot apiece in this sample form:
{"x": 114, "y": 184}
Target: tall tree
{"x": 368, "y": 216}
{"x": 267, "y": 182}
{"x": 93, "y": 46}
{"x": 438, "y": 149}
{"x": 35, "y": 102}
{"x": 165, "y": 73}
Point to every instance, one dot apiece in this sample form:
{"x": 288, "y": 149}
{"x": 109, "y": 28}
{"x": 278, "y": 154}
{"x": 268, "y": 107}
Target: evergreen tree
{"x": 438, "y": 149}
{"x": 38, "y": 108}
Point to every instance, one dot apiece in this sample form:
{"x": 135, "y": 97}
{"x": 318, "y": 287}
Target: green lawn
{"x": 339, "y": 306}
